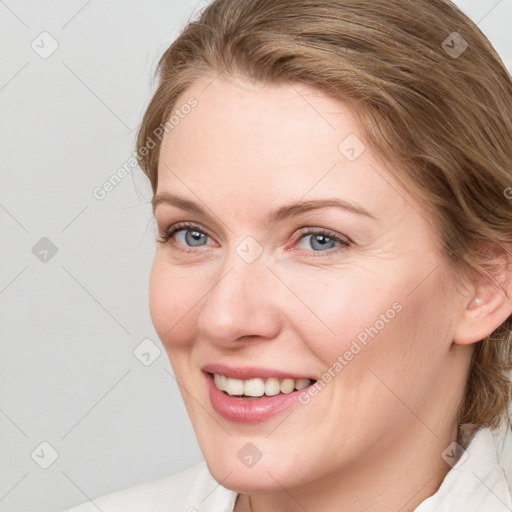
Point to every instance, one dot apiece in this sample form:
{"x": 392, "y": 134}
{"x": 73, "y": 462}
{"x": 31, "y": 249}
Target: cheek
{"x": 404, "y": 349}
{"x": 371, "y": 319}
{"x": 339, "y": 307}
{"x": 174, "y": 295}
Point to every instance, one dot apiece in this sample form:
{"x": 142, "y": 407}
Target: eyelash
{"x": 166, "y": 237}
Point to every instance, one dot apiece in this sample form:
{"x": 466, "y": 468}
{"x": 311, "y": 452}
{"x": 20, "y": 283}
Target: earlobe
{"x": 489, "y": 306}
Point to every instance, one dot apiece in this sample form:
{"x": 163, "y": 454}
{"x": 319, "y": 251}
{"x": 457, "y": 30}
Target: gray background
{"x": 70, "y": 321}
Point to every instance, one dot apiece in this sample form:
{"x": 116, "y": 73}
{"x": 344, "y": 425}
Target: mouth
{"x": 250, "y": 394}
{"x": 256, "y": 388}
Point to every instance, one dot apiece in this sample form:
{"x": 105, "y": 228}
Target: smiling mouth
{"x": 252, "y": 389}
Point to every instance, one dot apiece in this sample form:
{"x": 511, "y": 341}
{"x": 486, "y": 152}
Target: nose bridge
{"x": 242, "y": 278}
{"x": 244, "y": 266}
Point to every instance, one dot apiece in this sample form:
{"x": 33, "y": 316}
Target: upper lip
{"x": 251, "y": 372}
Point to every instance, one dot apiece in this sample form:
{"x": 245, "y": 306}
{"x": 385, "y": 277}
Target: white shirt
{"x": 478, "y": 482}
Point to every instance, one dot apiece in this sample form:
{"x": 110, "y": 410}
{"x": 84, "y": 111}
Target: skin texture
{"x": 372, "y": 438}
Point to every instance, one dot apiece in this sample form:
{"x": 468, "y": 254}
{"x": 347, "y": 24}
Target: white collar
{"x": 480, "y": 481}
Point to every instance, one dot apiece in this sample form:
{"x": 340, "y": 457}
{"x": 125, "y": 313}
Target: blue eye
{"x": 322, "y": 239}
{"x": 193, "y": 234}
{"x": 193, "y": 237}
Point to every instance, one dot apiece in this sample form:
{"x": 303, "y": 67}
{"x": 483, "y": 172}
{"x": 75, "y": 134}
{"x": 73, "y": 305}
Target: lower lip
{"x": 249, "y": 411}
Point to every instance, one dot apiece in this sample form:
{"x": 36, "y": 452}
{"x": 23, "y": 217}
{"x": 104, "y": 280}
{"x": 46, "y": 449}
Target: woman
{"x": 332, "y": 280}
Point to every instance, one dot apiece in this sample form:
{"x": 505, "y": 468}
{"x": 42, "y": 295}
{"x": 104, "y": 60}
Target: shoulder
{"x": 191, "y": 490}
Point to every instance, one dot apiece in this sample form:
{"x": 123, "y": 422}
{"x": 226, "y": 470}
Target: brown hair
{"x": 439, "y": 111}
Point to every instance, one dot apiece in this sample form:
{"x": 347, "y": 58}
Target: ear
{"x": 487, "y": 304}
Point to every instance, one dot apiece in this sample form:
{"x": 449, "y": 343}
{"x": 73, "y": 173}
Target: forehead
{"x": 255, "y": 144}
{"x": 240, "y": 119}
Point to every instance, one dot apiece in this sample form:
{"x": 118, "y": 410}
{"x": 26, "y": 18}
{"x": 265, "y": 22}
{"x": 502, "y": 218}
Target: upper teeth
{"x": 258, "y": 387}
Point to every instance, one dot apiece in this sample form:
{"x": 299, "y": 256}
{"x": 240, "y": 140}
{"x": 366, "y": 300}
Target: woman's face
{"x": 357, "y": 298}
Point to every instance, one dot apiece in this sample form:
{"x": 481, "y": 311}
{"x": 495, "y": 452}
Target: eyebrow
{"x": 281, "y": 213}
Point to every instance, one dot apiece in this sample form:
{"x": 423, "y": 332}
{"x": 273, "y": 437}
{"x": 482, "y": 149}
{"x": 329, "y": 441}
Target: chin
{"x": 247, "y": 480}
{"x": 270, "y": 473}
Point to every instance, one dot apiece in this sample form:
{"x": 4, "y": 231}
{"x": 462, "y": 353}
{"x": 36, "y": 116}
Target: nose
{"x": 241, "y": 304}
